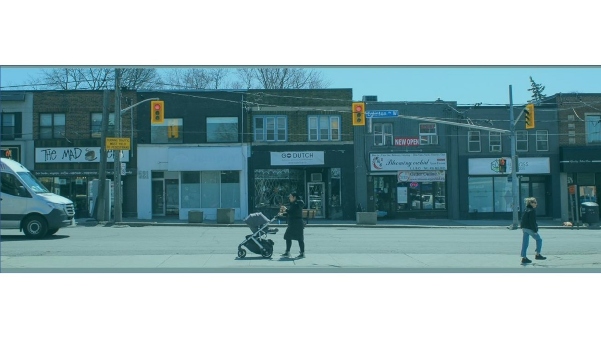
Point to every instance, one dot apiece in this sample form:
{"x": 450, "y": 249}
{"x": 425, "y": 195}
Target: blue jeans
{"x": 526, "y": 240}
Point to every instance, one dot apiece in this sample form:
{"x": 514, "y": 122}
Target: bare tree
{"x": 246, "y": 78}
{"x": 98, "y": 78}
{"x": 289, "y": 78}
{"x": 188, "y": 78}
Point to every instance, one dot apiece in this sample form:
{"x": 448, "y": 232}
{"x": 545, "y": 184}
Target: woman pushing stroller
{"x": 296, "y": 225}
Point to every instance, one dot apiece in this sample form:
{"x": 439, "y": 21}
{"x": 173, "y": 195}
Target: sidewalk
{"x": 381, "y": 223}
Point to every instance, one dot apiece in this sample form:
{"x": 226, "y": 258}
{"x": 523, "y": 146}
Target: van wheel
{"x": 51, "y": 232}
{"x": 35, "y": 227}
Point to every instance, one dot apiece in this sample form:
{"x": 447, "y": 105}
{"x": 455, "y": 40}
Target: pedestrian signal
{"x": 502, "y": 165}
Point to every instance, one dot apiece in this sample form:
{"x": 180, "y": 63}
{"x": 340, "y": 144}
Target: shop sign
{"x": 421, "y": 176}
{"x": 75, "y": 155}
{"x": 408, "y": 161}
{"x": 526, "y": 165}
{"x": 297, "y": 158}
{"x": 406, "y": 141}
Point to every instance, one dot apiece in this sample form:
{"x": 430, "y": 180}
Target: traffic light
{"x": 157, "y": 112}
{"x": 502, "y": 165}
{"x": 529, "y": 111}
{"x": 358, "y": 113}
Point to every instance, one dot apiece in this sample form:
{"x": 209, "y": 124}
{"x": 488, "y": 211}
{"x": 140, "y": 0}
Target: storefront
{"x": 582, "y": 165}
{"x": 173, "y": 180}
{"x": 317, "y": 175}
{"x": 65, "y": 171}
{"x": 489, "y": 191}
{"x": 408, "y": 185}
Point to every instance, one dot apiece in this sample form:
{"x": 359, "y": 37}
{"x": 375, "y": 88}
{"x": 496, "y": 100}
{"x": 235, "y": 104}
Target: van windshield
{"x": 33, "y": 182}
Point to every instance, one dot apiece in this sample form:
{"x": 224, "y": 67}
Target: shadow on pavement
{"x": 18, "y": 238}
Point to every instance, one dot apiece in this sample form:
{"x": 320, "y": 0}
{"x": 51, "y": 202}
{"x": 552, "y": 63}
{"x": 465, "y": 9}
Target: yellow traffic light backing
{"x": 358, "y": 110}
{"x": 157, "y": 112}
{"x": 529, "y": 116}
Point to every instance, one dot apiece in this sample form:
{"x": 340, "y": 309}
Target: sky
{"x": 463, "y": 84}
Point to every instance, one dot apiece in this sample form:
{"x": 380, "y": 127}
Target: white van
{"x": 27, "y": 205}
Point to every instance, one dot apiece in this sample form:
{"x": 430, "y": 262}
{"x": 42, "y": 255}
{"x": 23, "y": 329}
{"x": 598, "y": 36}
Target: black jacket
{"x": 295, "y": 221}
{"x": 529, "y": 219}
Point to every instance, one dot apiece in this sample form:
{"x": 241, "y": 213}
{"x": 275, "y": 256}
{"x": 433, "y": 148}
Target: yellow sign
{"x": 117, "y": 143}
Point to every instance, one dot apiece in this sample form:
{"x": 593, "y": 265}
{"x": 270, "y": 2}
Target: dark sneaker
{"x": 301, "y": 255}
{"x": 540, "y": 257}
{"x": 526, "y": 260}
{"x": 285, "y": 254}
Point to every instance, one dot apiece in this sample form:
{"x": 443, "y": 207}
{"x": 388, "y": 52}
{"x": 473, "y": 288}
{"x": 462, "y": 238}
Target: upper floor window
{"x": 52, "y": 126}
{"x": 427, "y": 134}
{"x": 96, "y": 124}
{"x": 473, "y": 141}
{"x": 521, "y": 140}
{"x": 11, "y": 126}
{"x": 270, "y": 128}
{"x": 222, "y": 129}
{"x": 324, "y": 128}
{"x": 494, "y": 142}
{"x": 542, "y": 140}
{"x": 383, "y": 134}
{"x": 593, "y": 128}
{"x": 167, "y": 132}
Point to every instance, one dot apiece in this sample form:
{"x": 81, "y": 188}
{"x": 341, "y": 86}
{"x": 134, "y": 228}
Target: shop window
{"x": 542, "y": 140}
{"x": 272, "y": 186}
{"x": 473, "y": 141}
{"x": 190, "y": 189}
{"x": 427, "y": 134}
{"x": 96, "y": 125}
{"x": 324, "y": 128}
{"x": 270, "y": 128}
{"x": 230, "y": 189}
{"x": 480, "y": 192}
{"x": 494, "y": 142}
{"x": 424, "y": 195}
{"x": 382, "y": 134}
{"x": 52, "y": 126}
{"x": 593, "y": 128}
{"x": 170, "y": 131}
{"x": 521, "y": 140}
{"x": 222, "y": 129}
{"x": 209, "y": 190}
{"x": 11, "y": 126}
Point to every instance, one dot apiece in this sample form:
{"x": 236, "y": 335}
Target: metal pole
{"x": 117, "y": 153}
{"x": 514, "y": 165}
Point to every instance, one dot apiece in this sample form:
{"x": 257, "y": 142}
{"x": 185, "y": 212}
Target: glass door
{"x": 158, "y": 197}
{"x": 316, "y": 198}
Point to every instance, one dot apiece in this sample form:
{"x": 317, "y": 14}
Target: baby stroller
{"x": 258, "y": 242}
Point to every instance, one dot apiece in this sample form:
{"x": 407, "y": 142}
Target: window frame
{"x": 111, "y": 125}
{"x": 386, "y": 138}
{"x": 16, "y": 126}
{"x": 428, "y": 138}
{"x": 319, "y": 135}
{"x": 519, "y": 141}
{"x": 167, "y": 124}
{"x": 494, "y": 139}
{"x": 469, "y": 141}
{"x": 592, "y": 127}
{"x": 544, "y": 133}
{"x": 264, "y": 131}
{"x": 55, "y": 133}
{"x": 237, "y": 134}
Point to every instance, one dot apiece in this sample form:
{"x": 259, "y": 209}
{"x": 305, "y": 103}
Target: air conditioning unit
{"x": 495, "y": 148}
{"x": 316, "y": 177}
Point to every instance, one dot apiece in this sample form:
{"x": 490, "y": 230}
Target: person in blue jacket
{"x": 296, "y": 225}
{"x": 530, "y": 228}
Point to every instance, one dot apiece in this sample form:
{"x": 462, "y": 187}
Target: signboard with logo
{"x": 408, "y": 161}
{"x": 75, "y": 155}
{"x": 297, "y": 158}
{"x": 421, "y": 176}
{"x": 526, "y": 165}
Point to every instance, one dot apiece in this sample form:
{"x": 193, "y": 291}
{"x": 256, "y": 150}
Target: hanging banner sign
{"x": 421, "y": 176}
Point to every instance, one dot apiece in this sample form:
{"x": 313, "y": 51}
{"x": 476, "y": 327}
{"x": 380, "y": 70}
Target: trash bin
{"x": 590, "y": 212}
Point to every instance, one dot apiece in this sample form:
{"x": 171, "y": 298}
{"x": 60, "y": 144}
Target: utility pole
{"x": 100, "y": 205}
{"x": 117, "y": 153}
{"x": 514, "y": 165}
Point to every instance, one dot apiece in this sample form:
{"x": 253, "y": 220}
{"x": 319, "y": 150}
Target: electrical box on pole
{"x": 358, "y": 113}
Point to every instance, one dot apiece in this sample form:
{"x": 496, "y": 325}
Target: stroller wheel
{"x": 241, "y": 253}
{"x": 266, "y": 253}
